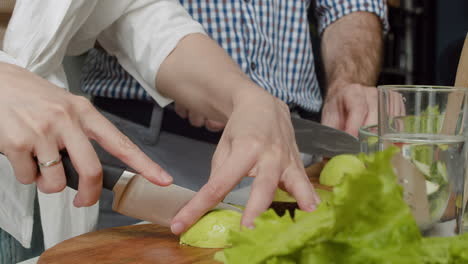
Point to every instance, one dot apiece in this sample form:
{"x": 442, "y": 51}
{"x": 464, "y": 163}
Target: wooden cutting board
{"x": 127, "y": 244}
{"x": 138, "y": 243}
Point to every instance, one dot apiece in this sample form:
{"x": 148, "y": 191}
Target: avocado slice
{"x": 283, "y": 201}
{"x": 334, "y": 171}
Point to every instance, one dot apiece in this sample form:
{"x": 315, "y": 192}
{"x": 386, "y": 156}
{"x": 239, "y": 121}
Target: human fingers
{"x": 372, "y": 103}
{"x": 401, "y": 105}
{"x": 262, "y": 190}
{"x": 296, "y": 182}
{"x": 195, "y": 119}
{"x": 52, "y": 176}
{"x": 86, "y": 163}
{"x": 23, "y": 164}
{"x": 17, "y": 144}
{"x": 357, "y": 112}
{"x": 214, "y": 126}
{"x": 181, "y": 111}
{"x": 331, "y": 116}
{"x": 236, "y": 165}
{"x": 100, "y": 129}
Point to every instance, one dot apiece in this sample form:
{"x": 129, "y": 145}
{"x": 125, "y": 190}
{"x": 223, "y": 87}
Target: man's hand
{"x": 259, "y": 142}
{"x": 352, "y": 56}
{"x": 350, "y": 107}
{"x": 38, "y": 119}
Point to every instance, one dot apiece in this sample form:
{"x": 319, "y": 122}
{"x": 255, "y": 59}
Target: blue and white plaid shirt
{"x": 269, "y": 39}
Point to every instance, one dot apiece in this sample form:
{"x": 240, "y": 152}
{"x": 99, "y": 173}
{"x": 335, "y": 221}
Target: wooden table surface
{"x": 141, "y": 244}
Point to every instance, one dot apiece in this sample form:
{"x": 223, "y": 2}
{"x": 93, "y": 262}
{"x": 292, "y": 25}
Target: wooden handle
{"x": 461, "y": 79}
{"x": 455, "y": 101}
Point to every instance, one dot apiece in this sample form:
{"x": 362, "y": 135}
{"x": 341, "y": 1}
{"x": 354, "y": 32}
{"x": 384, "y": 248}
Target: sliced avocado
{"x": 284, "y": 202}
{"x": 336, "y": 168}
{"x": 212, "y": 230}
{"x": 436, "y": 173}
{"x": 282, "y": 196}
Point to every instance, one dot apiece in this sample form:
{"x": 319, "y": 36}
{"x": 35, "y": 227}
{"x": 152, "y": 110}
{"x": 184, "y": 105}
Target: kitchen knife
{"x": 136, "y": 197}
{"x": 315, "y": 138}
{"x": 311, "y": 137}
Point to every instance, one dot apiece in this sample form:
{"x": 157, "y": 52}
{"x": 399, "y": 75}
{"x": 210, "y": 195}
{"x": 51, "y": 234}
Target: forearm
{"x": 201, "y": 76}
{"x": 352, "y": 50}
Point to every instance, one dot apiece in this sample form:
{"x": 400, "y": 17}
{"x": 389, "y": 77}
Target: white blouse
{"x": 140, "y": 33}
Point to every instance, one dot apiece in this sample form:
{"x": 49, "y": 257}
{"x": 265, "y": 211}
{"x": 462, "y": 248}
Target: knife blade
{"x": 315, "y": 138}
{"x": 137, "y": 197}
{"x": 311, "y": 137}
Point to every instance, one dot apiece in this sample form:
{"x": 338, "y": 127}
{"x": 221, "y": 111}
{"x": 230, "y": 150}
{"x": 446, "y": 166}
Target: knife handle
{"x": 110, "y": 174}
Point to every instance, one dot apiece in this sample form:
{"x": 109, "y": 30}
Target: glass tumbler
{"x": 427, "y": 125}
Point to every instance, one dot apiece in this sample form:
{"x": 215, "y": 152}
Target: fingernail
{"x": 311, "y": 207}
{"x": 177, "y": 228}
{"x": 76, "y": 202}
{"x": 248, "y": 225}
{"x": 317, "y": 199}
{"x": 166, "y": 177}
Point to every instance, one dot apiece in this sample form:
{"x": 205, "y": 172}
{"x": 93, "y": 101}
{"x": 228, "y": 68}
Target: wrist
{"x": 248, "y": 93}
{"x": 336, "y": 85}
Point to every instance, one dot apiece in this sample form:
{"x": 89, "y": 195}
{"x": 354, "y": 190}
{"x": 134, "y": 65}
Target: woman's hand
{"x": 198, "y": 120}
{"x": 258, "y": 141}
{"x": 38, "y": 119}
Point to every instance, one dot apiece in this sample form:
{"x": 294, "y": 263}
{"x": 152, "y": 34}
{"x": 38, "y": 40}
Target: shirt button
{"x": 253, "y": 66}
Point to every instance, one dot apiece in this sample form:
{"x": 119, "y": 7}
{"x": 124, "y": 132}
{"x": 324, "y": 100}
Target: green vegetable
{"x": 282, "y": 196}
{"x": 431, "y": 187}
{"x": 265, "y": 242}
{"x": 366, "y": 221}
{"x": 325, "y": 196}
{"x": 423, "y": 157}
{"x": 429, "y": 121}
{"x": 338, "y": 167}
{"x": 372, "y": 140}
{"x": 212, "y": 230}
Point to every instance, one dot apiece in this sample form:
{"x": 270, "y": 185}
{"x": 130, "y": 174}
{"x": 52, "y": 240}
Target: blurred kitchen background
{"x": 424, "y": 42}
{"x": 422, "y": 47}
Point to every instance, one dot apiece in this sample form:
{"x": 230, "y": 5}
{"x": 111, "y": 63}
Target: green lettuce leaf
{"x": 263, "y": 243}
{"x": 365, "y": 221}
{"x": 370, "y": 210}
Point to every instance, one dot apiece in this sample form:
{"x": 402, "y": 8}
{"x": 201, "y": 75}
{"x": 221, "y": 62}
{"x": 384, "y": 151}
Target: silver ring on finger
{"x": 50, "y": 163}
